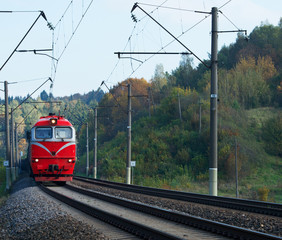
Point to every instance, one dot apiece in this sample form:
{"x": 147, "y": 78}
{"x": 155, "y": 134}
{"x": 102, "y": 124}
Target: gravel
{"x": 257, "y": 222}
{"x": 29, "y": 214}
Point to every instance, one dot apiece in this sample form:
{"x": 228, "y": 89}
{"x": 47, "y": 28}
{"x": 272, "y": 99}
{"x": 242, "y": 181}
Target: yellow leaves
{"x": 266, "y": 66}
{"x": 263, "y": 65}
{"x": 263, "y": 193}
{"x": 245, "y": 64}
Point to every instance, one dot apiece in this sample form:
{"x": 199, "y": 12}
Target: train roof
{"x": 46, "y": 121}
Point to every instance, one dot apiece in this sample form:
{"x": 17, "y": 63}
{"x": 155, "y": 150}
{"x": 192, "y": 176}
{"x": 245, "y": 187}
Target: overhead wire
{"x": 73, "y": 33}
{"x": 171, "y": 8}
{"x": 115, "y": 98}
{"x": 74, "y": 30}
{"x": 157, "y": 7}
{"x": 169, "y": 43}
{"x": 229, "y": 20}
{"x": 224, "y": 4}
{"x": 128, "y": 42}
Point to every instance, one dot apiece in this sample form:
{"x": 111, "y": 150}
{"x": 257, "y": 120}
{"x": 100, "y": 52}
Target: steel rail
{"x": 266, "y": 208}
{"x": 197, "y": 222}
{"x": 132, "y": 227}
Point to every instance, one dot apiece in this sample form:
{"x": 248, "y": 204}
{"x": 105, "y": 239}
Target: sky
{"x": 87, "y": 33}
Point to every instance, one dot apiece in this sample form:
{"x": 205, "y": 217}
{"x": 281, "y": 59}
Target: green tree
{"x": 272, "y": 134}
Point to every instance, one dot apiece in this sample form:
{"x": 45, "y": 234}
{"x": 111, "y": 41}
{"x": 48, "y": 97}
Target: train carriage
{"x": 52, "y": 149}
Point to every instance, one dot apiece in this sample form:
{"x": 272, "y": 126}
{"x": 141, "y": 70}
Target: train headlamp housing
{"x": 36, "y": 160}
{"x": 53, "y": 121}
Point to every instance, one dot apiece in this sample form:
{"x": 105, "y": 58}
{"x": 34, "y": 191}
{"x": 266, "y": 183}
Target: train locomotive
{"x": 52, "y": 149}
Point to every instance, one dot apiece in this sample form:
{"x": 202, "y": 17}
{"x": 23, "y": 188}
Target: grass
{"x": 258, "y": 116}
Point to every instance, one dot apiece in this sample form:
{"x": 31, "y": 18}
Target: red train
{"x": 52, "y": 149}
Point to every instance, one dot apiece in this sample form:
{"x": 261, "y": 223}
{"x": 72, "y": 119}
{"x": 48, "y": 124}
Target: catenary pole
{"x": 13, "y": 170}
{"x": 128, "y": 162}
{"x": 87, "y": 151}
{"x": 236, "y": 169}
{"x": 8, "y": 149}
{"x": 17, "y": 150}
{"x": 95, "y": 143}
{"x": 213, "y": 107}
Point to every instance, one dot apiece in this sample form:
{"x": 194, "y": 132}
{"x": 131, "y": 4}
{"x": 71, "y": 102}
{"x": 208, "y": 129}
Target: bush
{"x": 272, "y": 134}
{"x": 263, "y": 193}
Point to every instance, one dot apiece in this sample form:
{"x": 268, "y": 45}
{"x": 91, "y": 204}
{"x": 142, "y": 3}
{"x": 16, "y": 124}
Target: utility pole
{"x": 213, "y": 107}
{"x": 8, "y": 153}
{"x": 213, "y": 97}
{"x": 17, "y": 150}
{"x": 95, "y": 143}
{"x": 236, "y": 169}
{"x": 87, "y": 151}
{"x": 128, "y": 162}
{"x": 13, "y": 147}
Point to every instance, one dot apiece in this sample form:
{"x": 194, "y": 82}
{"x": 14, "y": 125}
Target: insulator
{"x": 134, "y": 18}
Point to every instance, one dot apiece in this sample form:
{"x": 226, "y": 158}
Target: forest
{"x": 170, "y": 122}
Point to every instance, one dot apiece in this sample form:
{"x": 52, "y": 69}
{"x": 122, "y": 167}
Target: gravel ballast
{"x": 29, "y": 214}
{"x": 257, "y": 222}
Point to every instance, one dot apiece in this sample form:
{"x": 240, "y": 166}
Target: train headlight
{"x": 53, "y": 121}
{"x": 36, "y": 160}
{"x": 70, "y": 160}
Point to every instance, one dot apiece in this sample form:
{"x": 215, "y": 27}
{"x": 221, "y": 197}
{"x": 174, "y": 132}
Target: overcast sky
{"x": 86, "y": 60}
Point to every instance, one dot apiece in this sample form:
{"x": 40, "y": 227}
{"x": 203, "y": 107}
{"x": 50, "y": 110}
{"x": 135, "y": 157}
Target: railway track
{"x": 265, "y": 208}
{"x": 174, "y": 225}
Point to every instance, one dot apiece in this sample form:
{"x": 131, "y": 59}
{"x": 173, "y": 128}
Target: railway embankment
{"x": 29, "y": 214}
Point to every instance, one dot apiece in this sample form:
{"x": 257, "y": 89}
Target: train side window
{"x": 43, "y": 133}
{"x": 63, "y": 132}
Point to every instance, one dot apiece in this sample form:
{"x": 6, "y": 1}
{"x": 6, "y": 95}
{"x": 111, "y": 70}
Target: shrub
{"x": 263, "y": 193}
{"x": 272, "y": 134}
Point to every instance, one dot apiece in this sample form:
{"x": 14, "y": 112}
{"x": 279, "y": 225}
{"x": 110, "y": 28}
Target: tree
{"x": 272, "y": 134}
{"x": 44, "y": 96}
{"x": 248, "y": 82}
{"x": 159, "y": 80}
{"x": 184, "y": 73}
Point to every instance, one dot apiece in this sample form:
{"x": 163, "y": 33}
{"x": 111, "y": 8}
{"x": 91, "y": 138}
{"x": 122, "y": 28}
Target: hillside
{"x": 170, "y": 122}
{"x": 171, "y": 152}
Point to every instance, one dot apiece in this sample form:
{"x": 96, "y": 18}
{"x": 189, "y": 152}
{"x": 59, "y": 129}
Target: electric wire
{"x": 74, "y": 30}
{"x": 224, "y": 4}
{"x": 115, "y": 98}
{"x": 157, "y": 7}
{"x": 229, "y": 20}
{"x": 128, "y": 42}
{"x": 171, "y": 8}
{"x": 63, "y": 14}
{"x": 73, "y": 33}
{"x": 168, "y": 44}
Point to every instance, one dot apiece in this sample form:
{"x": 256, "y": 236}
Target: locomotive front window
{"x": 63, "y": 132}
{"x": 43, "y": 133}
